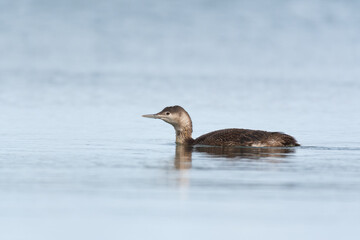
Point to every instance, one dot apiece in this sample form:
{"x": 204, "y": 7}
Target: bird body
{"x": 245, "y": 137}
{"x": 180, "y": 119}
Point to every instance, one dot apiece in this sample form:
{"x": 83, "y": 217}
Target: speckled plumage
{"x": 180, "y": 119}
{"x": 245, "y": 137}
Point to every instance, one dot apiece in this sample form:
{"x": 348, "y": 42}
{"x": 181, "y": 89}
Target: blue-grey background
{"x": 78, "y": 162}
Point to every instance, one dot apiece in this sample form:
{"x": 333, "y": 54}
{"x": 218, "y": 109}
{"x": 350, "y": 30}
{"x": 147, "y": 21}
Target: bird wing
{"x": 232, "y": 137}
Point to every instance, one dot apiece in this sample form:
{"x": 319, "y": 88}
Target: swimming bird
{"x": 181, "y": 121}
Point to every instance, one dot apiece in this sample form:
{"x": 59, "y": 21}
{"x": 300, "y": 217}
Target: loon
{"x": 181, "y": 121}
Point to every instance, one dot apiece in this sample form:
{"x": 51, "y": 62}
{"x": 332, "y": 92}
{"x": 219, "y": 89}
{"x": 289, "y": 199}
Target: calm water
{"x": 77, "y": 161}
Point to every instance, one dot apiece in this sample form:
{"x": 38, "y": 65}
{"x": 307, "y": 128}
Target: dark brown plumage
{"x": 245, "y": 137}
{"x": 180, "y": 119}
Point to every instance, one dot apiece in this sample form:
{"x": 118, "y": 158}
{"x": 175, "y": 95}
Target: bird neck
{"x": 183, "y": 135}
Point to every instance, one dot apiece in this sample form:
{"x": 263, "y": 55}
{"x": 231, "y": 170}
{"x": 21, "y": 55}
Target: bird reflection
{"x": 183, "y": 157}
{"x": 183, "y": 154}
{"x": 246, "y": 152}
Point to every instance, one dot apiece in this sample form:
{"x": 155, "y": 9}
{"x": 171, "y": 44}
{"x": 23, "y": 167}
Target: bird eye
{"x": 167, "y": 113}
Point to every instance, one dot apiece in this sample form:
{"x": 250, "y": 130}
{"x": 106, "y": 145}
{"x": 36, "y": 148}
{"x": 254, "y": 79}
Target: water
{"x": 78, "y": 162}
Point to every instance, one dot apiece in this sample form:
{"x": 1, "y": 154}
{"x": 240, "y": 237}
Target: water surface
{"x": 77, "y": 161}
